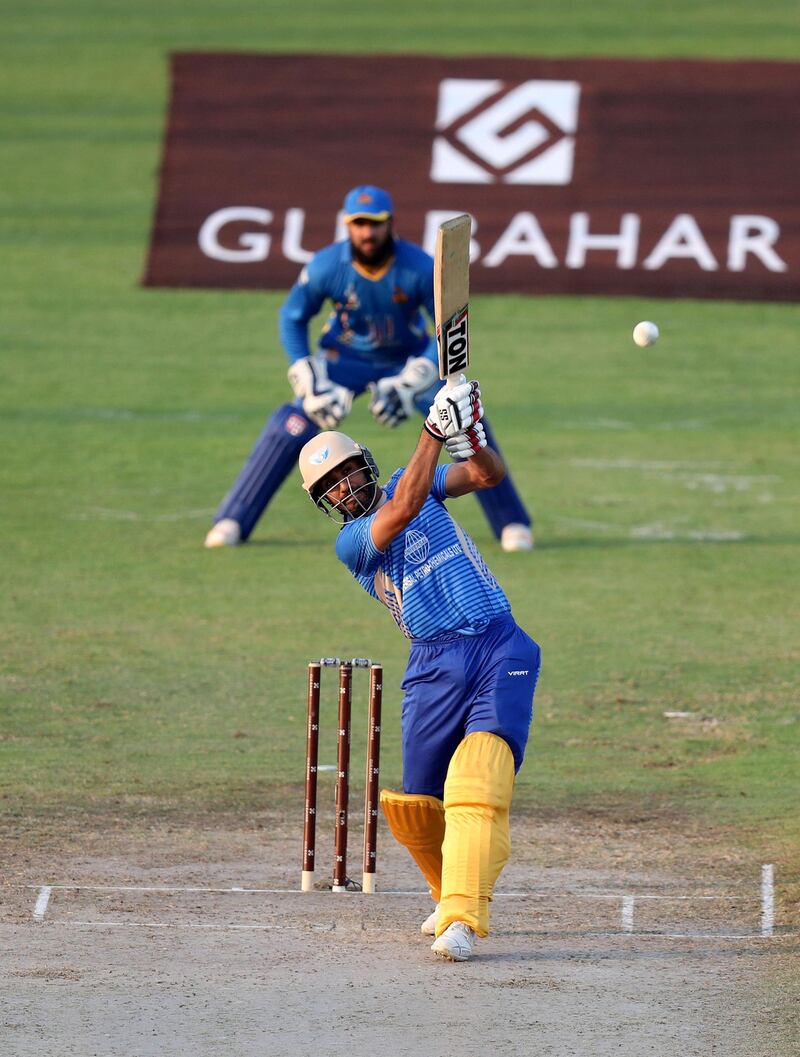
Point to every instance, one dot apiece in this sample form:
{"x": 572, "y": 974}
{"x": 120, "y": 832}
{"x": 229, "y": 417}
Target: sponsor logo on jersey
{"x": 494, "y": 132}
{"x": 295, "y": 425}
{"x": 417, "y": 547}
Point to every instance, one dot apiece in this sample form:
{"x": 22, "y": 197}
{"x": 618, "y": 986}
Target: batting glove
{"x": 325, "y": 403}
{"x": 454, "y": 410}
{"x": 465, "y": 445}
{"x": 393, "y": 398}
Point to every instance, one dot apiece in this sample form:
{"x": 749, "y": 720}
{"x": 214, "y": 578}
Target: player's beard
{"x": 378, "y": 256}
{"x": 363, "y": 500}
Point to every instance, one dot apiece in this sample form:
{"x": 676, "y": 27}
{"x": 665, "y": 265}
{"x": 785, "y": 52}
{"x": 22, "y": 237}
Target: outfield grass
{"x": 139, "y": 667}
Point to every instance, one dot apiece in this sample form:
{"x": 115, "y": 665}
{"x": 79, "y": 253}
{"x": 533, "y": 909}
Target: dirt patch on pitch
{"x": 153, "y": 961}
{"x": 264, "y": 848}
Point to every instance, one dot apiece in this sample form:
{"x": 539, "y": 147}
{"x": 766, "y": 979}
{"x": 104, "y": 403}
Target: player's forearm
{"x": 482, "y": 469}
{"x": 486, "y": 468}
{"x": 412, "y": 490}
{"x": 415, "y": 485}
{"x": 293, "y": 319}
{"x": 294, "y": 338}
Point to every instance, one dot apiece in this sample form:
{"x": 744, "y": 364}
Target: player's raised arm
{"x": 453, "y": 411}
{"x": 477, "y": 465}
{"x": 411, "y": 492}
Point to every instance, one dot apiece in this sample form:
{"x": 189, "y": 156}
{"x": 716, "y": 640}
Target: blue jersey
{"x": 431, "y": 577}
{"x": 375, "y": 318}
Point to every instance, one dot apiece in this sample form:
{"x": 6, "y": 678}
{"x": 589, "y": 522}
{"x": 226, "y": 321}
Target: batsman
{"x": 472, "y": 670}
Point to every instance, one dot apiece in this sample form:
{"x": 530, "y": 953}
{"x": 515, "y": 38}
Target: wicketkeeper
{"x": 375, "y": 339}
{"x": 472, "y": 671}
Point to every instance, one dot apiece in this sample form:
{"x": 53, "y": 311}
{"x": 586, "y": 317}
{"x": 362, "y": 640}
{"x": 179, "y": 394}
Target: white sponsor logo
{"x": 492, "y": 132}
{"x": 417, "y": 547}
{"x": 523, "y": 671}
{"x": 319, "y": 456}
{"x": 750, "y": 243}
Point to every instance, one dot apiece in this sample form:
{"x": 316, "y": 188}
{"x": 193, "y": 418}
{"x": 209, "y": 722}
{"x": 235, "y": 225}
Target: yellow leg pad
{"x": 477, "y": 797}
{"x": 417, "y": 822}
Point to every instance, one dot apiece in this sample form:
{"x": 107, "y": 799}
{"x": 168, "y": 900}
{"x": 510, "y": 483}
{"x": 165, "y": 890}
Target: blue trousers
{"x": 461, "y": 684}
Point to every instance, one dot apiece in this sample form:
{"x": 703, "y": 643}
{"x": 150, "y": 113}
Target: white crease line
{"x": 214, "y": 927}
{"x": 326, "y": 927}
{"x": 180, "y": 888}
{"x": 705, "y": 935}
{"x": 391, "y": 893}
{"x": 43, "y": 899}
{"x": 700, "y": 935}
{"x": 767, "y": 899}
{"x": 627, "y": 913}
{"x": 722, "y": 896}
{"x": 238, "y": 889}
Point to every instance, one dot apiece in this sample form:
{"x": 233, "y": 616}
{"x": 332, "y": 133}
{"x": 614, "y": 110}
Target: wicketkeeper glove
{"x": 393, "y": 398}
{"x": 325, "y": 403}
{"x": 465, "y": 445}
{"x": 454, "y": 410}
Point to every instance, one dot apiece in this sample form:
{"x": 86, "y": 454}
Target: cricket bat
{"x": 451, "y": 296}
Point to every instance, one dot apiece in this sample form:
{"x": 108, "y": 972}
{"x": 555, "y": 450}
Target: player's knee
{"x": 414, "y": 819}
{"x": 481, "y": 773}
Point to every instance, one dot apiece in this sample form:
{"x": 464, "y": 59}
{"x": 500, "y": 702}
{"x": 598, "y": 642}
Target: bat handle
{"x": 452, "y": 380}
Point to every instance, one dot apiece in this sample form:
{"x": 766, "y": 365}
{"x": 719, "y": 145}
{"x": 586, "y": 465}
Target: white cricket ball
{"x": 645, "y": 333}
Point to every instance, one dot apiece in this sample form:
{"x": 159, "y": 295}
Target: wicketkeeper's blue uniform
{"x": 374, "y": 326}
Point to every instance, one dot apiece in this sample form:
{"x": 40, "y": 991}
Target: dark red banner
{"x": 668, "y": 178}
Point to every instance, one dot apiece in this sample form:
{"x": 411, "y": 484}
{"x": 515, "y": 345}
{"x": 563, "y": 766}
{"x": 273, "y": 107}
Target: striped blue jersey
{"x": 376, "y": 318}
{"x": 431, "y": 577}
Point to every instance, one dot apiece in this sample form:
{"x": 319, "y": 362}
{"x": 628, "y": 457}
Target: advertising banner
{"x": 658, "y": 178}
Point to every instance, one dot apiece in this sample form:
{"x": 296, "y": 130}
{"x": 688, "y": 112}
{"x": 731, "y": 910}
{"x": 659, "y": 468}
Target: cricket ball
{"x": 645, "y": 333}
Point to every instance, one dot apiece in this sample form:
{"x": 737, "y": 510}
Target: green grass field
{"x": 140, "y": 669}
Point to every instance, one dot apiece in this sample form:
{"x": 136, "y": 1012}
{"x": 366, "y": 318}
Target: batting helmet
{"x": 320, "y": 457}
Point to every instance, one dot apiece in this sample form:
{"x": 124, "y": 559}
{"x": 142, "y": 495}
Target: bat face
{"x": 451, "y": 295}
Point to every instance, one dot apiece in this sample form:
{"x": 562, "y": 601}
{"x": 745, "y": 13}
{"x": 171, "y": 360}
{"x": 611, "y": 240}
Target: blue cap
{"x": 371, "y": 203}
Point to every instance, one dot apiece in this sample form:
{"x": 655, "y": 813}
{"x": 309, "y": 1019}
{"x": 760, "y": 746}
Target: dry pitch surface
{"x": 607, "y": 939}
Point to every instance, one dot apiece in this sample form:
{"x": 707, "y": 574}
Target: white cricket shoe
{"x": 225, "y": 533}
{"x": 428, "y": 926}
{"x": 456, "y": 943}
{"x": 516, "y": 537}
